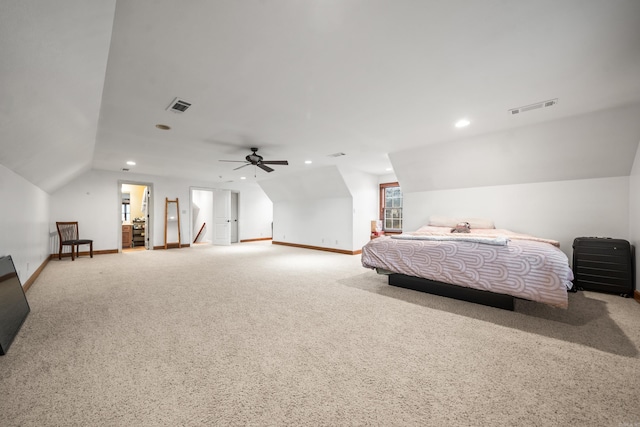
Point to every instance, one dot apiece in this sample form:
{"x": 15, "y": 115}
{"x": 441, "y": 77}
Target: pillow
{"x": 445, "y": 221}
{"x": 480, "y": 223}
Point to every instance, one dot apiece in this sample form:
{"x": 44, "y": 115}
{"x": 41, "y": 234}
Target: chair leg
{"x": 91, "y": 249}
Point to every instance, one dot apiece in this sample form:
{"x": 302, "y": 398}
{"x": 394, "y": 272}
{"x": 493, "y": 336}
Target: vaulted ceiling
{"x": 84, "y": 83}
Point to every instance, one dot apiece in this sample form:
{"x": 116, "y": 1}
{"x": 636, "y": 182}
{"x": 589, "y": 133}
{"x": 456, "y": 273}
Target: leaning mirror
{"x": 172, "y": 224}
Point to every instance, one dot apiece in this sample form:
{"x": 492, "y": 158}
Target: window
{"x": 126, "y": 207}
{"x": 391, "y": 207}
{"x": 126, "y": 211}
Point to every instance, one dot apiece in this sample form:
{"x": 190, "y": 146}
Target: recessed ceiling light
{"x": 462, "y": 123}
{"x": 389, "y": 169}
{"x": 163, "y": 127}
{"x": 131, "y": 163}
{"x": 308, "y": 162}
{"x": 243, "y": 177}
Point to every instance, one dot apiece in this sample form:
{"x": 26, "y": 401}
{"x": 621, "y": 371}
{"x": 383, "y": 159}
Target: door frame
{"x": 190, "y": 227}
{"x": 191, "y": 189}
{"x": 148, "y": 225}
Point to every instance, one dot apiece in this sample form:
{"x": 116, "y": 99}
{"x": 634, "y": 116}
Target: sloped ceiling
{"x": 320, "y": 183}
{"x": 298, "y": 79}
{"x": 594, "y": 145}
{"x": 53, "y": 59}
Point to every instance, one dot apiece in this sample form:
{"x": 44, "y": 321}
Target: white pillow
{"x": 445, "y": 221}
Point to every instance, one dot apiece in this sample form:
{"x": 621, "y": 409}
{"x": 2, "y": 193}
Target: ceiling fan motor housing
{"x": 254, "y": 158}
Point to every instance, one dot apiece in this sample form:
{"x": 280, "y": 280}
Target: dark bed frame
{"x": 491, "y": 299}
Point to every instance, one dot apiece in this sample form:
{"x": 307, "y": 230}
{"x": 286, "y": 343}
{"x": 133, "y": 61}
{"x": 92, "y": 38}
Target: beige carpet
{"x": 267, "y": 335}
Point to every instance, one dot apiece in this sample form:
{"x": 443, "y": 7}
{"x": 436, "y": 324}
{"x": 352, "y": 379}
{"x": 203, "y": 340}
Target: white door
{"x": 234, "y": 217}
{"x": 222, "y": 217}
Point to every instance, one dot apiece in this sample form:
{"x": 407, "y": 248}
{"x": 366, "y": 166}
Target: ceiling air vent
{"x": 178, "y": 106}
{"x": 337, "y": 155}
{"x": 537, "y": 105}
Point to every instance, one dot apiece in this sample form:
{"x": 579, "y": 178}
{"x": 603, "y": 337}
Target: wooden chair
{"x": 68, "y": 235}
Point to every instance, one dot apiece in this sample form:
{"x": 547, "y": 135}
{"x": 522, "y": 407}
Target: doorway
{"x": 136, "y": 216}
{"x": 214, "y": 216}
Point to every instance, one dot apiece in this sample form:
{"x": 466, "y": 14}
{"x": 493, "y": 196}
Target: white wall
{"x": 364, "y": 189}
{"x": 93, "y": 200}
{"x": 312, "y": 208}
{"x": 634, "y": 209}
{"x": 317, "y": 222}
{"x": 327, "y": 207}
{"x": 24, "y": 225}
{"x": 561, "y": 210}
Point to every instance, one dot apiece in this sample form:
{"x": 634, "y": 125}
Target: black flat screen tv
{"x": 13, "y": 303}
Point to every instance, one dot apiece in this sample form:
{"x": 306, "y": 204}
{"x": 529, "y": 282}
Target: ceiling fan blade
{"x": 264, "y": 168}
{"x": 274, "y": 162}
{"x": 240, "y": 167}
{"x": 234, "y": 161}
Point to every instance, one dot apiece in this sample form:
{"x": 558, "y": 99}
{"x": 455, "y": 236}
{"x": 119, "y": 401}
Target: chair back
{"x": 67, "y": 231}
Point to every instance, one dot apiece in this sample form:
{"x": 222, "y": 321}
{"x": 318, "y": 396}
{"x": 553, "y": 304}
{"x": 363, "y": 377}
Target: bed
{"x": 485, "y": 265}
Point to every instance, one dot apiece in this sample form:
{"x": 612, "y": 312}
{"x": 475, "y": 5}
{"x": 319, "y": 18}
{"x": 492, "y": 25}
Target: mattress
{"x": 524, "y": 268}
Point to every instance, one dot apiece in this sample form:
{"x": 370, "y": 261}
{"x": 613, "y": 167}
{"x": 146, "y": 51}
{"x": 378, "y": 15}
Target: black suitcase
{"x": 604, "y": 265}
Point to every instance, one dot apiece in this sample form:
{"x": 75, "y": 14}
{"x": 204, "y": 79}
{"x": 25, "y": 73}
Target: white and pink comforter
{"x": 524, "y": 267}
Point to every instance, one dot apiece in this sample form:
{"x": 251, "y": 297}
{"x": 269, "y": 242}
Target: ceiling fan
{"x": 257, "y": 160}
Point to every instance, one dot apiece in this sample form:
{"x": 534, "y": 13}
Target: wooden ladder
{"x": 172, "y": 219}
